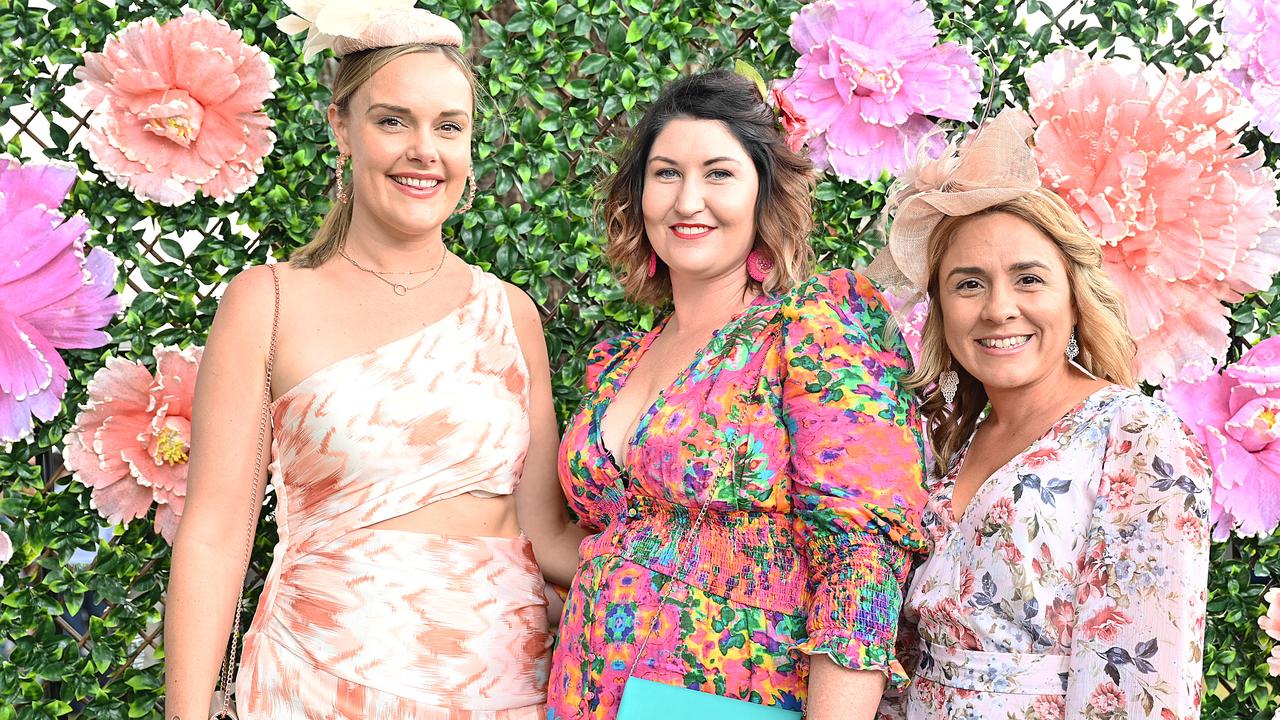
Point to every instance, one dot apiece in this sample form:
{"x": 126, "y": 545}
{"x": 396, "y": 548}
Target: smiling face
{"x": 408, "y": 132}
{"x": 700, "y": 190}
{"x": 1006, "y": 303}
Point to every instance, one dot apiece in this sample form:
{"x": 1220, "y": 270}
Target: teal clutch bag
{"x": 646, "y": 700}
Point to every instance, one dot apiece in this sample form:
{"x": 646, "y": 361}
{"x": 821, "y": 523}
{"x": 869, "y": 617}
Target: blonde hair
{"x": 783, "y": 210}
{"x": 354, "y": 71}
{"x": 1106, "y": 347}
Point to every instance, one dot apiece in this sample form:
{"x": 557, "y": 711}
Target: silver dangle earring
{"x": 471, "y": 193}
{"x": 342, "y": 192}
{"x": 1073, "y": 352}
{"x": 948, "y": 384}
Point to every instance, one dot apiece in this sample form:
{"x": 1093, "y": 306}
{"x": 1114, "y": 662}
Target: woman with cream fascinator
{"x": 399, "y": 401}
{"x": 1066, "y": 519}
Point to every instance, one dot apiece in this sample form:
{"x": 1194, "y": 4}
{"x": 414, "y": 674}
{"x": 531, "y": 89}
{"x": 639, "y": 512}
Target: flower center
{"x": 863, "y": 71}
{"x": 177, "y": 117}
{"x": 170, "y": 449}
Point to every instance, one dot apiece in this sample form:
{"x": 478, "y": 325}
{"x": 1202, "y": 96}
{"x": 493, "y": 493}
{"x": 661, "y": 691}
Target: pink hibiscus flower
{"x": 53, "y": 295}
{"x": 177, "y": 107}
{"x": 1153, "y": 164}
{"x": 870, "y": 73}
{"x": 131, "y": 441}
{"x": 1234, "y": 414}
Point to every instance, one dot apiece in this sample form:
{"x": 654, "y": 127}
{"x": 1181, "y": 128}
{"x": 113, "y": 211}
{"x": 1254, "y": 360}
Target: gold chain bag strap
{"x": 222, "y": 696}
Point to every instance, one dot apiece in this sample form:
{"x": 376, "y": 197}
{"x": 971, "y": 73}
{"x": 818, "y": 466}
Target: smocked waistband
{"x": 749, "y": 557}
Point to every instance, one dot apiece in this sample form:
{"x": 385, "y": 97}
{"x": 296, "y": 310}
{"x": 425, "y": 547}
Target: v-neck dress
{"x": 1072, "y": 586}
{"x": 793, "y": 428}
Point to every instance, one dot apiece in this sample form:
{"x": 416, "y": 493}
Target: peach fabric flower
{"x": 177, "y": 107}
{"x": 131, "y": 441}
{"x": 1270, "y": 621}
{"x": 1153, "y": 164}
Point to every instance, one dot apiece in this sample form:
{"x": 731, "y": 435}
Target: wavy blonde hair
{"x": 354, "y": 71}
{"x": 1106, "y": 347}
{"x": 783, "y": 211}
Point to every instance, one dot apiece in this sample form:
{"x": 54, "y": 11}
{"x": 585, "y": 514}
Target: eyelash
{"x": 390, "y": 121}
{"x": 668, "y": 173}
{"x": 965, "y": 284}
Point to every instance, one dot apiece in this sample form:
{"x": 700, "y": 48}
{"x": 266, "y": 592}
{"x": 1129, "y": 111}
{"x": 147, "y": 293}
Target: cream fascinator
{"x": 990, "y": 166}
{"x": 348, "y": 26}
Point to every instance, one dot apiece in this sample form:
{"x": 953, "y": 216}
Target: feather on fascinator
{"x": 988, "y": 167}
{"x": 347, "y": 26}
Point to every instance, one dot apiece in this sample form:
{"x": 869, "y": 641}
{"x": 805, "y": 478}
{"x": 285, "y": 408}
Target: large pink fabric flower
{"x": 178, "y": 107}
{"x": 869, "y": 73}
{"x": 1153, "y": 164}
{"x": 1234, "y": 414}
{"x": 52, "y": 295}
{"x": 131, "y": 441}
{"x": 1251, "y": 31}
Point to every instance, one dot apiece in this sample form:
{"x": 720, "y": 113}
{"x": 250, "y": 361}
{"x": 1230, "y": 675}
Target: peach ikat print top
{"x": 356, "y": 621}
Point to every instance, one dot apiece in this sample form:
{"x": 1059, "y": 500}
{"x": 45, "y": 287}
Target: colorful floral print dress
{"x": 1073, "y": 584}
{"x": 793, "y": 428}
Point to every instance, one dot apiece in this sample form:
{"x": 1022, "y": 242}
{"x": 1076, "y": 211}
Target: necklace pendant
{"x": 399, "y": 289}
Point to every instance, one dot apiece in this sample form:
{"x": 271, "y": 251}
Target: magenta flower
{"x": 178, "y": 108}
{"x": 869, "y": 74}
{"x": 131, "y": 441}
{"x": 1251, "y": 31}
{"x": 1152, "y": 163}
{"x": 1235, "y": 415}
{"x": 52, "y": 295}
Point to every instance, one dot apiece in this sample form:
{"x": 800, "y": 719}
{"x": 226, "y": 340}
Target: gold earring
{"x": 471, "y": 193}
{"x": 342, "y": 192}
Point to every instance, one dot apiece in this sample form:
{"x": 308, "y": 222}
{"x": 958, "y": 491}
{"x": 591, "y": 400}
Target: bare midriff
{"x": 464, "y": 515}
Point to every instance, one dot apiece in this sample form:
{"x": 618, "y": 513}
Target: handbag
{"x": 645, "y": 699}
{"x": 220, "y": 706}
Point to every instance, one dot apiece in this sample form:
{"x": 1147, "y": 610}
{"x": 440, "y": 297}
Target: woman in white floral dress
{"x": 1068, "y": 515}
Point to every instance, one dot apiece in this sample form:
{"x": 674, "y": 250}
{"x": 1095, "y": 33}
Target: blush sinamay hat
{"x": 348, "y": 26}
{"x": 990, "y": 166}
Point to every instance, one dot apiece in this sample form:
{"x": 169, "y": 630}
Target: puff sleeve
{"x": 1138, "y": 641}
{"x": 857, "y": 467}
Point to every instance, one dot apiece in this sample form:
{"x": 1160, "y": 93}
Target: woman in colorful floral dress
{"x": 1067, "y": 524}
{"x": 751, "y": 466}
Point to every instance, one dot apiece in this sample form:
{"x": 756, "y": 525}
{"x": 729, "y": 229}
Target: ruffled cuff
{"x": 853, "y": 617}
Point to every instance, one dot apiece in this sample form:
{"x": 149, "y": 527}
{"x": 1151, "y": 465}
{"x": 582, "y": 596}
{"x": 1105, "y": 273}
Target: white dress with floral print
{"x": 1073, "y": 585}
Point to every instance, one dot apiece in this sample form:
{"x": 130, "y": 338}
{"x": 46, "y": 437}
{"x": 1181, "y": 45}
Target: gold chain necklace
{"x": 398, "y": 288}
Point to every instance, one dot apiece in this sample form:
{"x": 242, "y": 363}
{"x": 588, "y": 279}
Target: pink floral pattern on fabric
{"x": 793, "y": 425}
{"x": 1073, "y": 584}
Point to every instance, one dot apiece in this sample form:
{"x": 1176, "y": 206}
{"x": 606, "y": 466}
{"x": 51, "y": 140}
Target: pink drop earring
{"x": 759, "y": 266}
{"x": 653, "y": 264}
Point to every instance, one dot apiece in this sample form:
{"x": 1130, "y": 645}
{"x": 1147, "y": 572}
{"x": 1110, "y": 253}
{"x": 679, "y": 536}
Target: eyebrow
{"x": 401, "y": 110}
{"x": 1016, "y": 267}
{"x": 712, "y": 161}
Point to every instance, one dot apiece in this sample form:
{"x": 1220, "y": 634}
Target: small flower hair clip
{"x": 794, "y": 125}
{"x": 347, "y": 27}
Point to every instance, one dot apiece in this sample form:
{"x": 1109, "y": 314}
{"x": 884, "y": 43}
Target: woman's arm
{"x": 540, "y": 502}
{"x": 858, "y": 492}
{"x": 1138, "y": 639}
{"x": 222, "y": 505}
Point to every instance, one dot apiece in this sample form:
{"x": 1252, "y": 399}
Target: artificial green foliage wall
{"x": 79, "y": 618}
